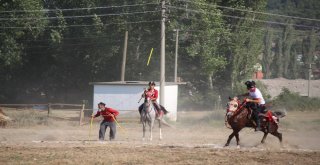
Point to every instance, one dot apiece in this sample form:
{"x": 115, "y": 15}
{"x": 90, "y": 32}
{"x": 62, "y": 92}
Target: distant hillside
{"x": 275, "y": 86}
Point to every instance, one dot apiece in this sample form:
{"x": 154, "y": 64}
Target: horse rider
{"x": 109, "y": 118}
{"x": 152, "y": 93}
{"x": 257, "y": 100}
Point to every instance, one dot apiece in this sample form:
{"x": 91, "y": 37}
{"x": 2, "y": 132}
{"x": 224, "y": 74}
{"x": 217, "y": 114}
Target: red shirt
{"x": 152, "y": 94}
{"x": 107, "y": 114}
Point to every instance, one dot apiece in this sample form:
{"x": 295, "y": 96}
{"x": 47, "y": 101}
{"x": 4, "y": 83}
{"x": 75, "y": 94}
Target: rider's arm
{"x": 113, "y": 111}
{"x": 96, "y": 115}
{"x": 257, "y": 100}
{"x": 155, "y": 95}
{"x": 144, "y": 94}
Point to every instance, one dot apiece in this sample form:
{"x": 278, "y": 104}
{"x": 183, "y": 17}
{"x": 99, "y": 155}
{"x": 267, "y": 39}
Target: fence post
{"x": 49, "y": 109}
{"x": 81, "y": 114}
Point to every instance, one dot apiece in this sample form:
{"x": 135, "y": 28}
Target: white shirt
{"x": 257, "y": 94}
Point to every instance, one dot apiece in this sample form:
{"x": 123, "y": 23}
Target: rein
{"x": 148, "y": 110}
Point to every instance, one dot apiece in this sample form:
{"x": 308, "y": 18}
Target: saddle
{"x": 269, "y": 116}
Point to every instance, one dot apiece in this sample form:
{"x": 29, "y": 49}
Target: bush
{"x": 293, "y": 101}
{"x": 27, "y": 118}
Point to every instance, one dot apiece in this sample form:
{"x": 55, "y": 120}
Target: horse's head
{"x": 147, "y": 100}
{"x": 233, "y": 104}
{"x": 147, "y": 103}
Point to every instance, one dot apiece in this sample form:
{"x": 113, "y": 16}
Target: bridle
{"x": 147, "y": 104}
{"x": 236, "y": 105}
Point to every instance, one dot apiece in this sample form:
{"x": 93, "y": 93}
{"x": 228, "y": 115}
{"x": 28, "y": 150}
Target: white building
{"x": 124, "y": 95}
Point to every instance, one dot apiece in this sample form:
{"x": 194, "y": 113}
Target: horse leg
{"x": 229, "y": 139}
{"x": 278, "y": 135}
{"x": 264, "y": 137}
{"x": 151, "y": 127}
{"x": 144, "y": 130}
{"x": 238, "y": 139}
{"x": 273, "y": 129}
{"x": 160, "y": 129}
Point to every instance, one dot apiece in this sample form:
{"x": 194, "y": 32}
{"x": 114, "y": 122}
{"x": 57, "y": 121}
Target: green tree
{"x": 268, "y": 54}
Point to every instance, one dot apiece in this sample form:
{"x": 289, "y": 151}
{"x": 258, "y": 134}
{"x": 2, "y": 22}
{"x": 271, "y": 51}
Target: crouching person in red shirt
{"x": 109, "y": 116}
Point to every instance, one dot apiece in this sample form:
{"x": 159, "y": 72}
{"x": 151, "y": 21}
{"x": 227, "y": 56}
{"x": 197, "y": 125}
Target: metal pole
{"x": 176, "y": 56}
{"x": 309, "y": 77}
{"x": 162, "y": 53}
{"x": 49, "y": 109}
{"x": 123, "y": 68}
{"x": 81, "y": 113}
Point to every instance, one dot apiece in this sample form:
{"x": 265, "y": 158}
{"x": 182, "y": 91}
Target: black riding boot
{"x": 258, "y": 128}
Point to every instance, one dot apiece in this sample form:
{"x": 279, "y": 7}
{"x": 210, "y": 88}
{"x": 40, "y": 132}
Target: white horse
{"x": 148, "y": 116}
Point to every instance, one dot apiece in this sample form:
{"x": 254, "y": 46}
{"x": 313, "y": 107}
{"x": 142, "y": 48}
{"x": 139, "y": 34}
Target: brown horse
{"x": 239, "y": 116}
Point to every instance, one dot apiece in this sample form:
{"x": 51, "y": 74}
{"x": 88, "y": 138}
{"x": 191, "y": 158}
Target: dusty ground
{"x": 196, "y": 138}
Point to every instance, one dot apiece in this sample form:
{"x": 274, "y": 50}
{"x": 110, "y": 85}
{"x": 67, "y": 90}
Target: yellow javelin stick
{"x": 150, "y": 56}
{"x": 117, "y": 122}
{"x": 121, "y": 128}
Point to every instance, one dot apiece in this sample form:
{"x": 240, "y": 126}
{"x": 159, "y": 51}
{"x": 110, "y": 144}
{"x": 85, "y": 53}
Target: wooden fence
{"x": 50, "y": 106}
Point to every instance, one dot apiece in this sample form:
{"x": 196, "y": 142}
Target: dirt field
{"x": 196, "y": 138}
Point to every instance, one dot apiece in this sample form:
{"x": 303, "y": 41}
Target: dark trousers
{"x": 103, "y": 127}
{"x": 256, "y": 110}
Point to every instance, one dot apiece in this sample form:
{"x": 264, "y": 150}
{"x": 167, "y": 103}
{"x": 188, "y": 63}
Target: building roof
{"x": 134, "y": 83}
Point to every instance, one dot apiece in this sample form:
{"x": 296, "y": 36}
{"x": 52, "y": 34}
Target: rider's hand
{"x": 248, "y": 100}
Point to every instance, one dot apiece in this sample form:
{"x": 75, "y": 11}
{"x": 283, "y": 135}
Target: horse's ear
{"x": 230, "y": 98}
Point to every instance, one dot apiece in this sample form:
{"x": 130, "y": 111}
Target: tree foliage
{"x": 51, "y": 50}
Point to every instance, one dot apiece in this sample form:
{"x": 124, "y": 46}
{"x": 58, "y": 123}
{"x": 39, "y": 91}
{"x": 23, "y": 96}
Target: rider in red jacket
{"x": 153, "y": 94}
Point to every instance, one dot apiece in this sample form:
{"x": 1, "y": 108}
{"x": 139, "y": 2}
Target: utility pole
{"x": 162, "y": 53}
{"x": 309, "y": 77}
{"x": 176, "y": 56}
{"x": 123, "y": 68}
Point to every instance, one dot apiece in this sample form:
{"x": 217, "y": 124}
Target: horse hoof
{"x": 226, "y": 145}
{"x": 238, "y": 146}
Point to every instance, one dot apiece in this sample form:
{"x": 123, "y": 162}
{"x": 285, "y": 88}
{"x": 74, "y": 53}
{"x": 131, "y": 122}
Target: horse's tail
{"x": 164, "y": 109}
{"x": 280, "y": 114}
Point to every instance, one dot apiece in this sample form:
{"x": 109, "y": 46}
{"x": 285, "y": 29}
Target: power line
{"x": 243, "y": 18}
{"x": 37, "y": 27}
{"x": 296, "y": 32}
{"x": 73, "y": 38}
{"x": 75, "y": 9}
{"x": 257, "y": 12}
{"x": 81, "y": 16}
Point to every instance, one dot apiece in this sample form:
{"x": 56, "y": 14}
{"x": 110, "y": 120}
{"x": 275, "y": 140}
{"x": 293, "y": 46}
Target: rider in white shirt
{"x": 257, "y": 99}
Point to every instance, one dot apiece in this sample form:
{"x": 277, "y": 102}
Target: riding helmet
{"x": 250, "y": 84}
